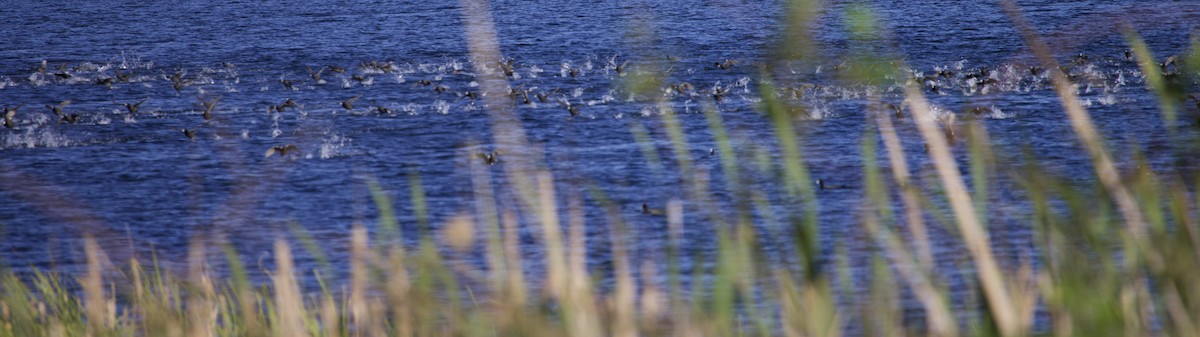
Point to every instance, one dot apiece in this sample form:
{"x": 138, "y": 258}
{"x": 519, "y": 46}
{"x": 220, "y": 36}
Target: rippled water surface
{"x": 138, "y": 180}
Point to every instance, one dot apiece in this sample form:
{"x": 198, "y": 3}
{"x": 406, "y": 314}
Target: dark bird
{"x": 425, "y": 83}
{"x": 621, "y": 68}
{"x": 469, "y": 94}
{"x": 1168, "y": 62}
{"x": 544, "y": 97}
{"x": 190, "y": 133}
{"x": 1080, "y": 59}
{"x": 287, "y": 84}
{"x": 821, "y": 185}
{"x": 58, "y": 109}
{"x": 41, "y": 69}
{"x": 574, "y": 72}
{"x": 120, "y": 77}
{"x": 289, "y": 103}
{"x": 514, "y": 92}
{"x": 337, "y": 69}
{"x": 107, "y": 81}
{"x": 840, "y": 66}
{"x": 282, "y": 150}
{"x": 718, "y": 93}
{"x": 525, "y": 98}
{"x": 358, "y": 78}
{"x": 316, "y": 75}
{"x": 349, "y": 104}
{"x": 652, "y": 211}
{"x": 573, "y": 109}
{"x": 979, "y": 110}
{"x": 490, "y": 158}
{"x": 72, "y": 118}
{"x": 9, "y": 115}
{"x": 894, "y": 109}
{"x": 177, "y": 81}
{"x": 440, "y": 88}
{"x": 726, "y": 64}
{"x": 680, "y": 88}
{"x": 382, "y": 110}
{"x": 133, "y": 108}
{"x": 507, "y": 67}
{"x": 207, "y": 107}
{"x": 1128, "y": 55}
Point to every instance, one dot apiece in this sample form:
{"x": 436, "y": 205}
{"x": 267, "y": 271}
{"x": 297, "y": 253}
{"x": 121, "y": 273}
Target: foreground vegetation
{"x": 1119, "y": 254}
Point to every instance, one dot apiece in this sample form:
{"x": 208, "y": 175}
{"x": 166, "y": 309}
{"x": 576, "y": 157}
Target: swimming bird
{"x": 72, "y": 118}
{"x": 349, "y": 104}
{"x": 726, "y": 64}
{"x": 133, "y": 108}
{"x": 358, "y": 78}
{"x": 382, "y": 110}
{"x": 337, "y": 69}
{"x": 979, "y": 110}
{"x": 287, "y": 84}
{"x": 9, "y": 116}
{"x": 1035, "y": 71}
{"x": 821, "y": 185}
{"x": 207, "y": 106}
{"x": 490, "y": 158}
{"x": 469, "y": 94}
{"x": 1080, "y": 59}
{"x": 41, "y": 69}
{"x": 58, "y": 108}
{"x": 282, "y": 150}
{"x": 440, "y": 88}
{"x": 895, "y": 109}
{"x": 288, "y": 103}
{"x": 718, "y": 93}
{"x": 190, "y": 133}
{"x": 934, "y": 88}
{"x": 683, "y": 87}
{"x": 652, "y": 211}
{"x": 574, "y": 72}
{"x": 1128, "y": 55}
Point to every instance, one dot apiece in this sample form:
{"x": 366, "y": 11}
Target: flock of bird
{"x": 202, "y": 83}
{"x": 1105, "y": 74}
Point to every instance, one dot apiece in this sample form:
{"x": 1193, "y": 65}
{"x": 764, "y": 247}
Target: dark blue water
{"x": 139, "y": 183}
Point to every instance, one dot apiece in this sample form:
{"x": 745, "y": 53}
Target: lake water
{"x": 138, "y": 182}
